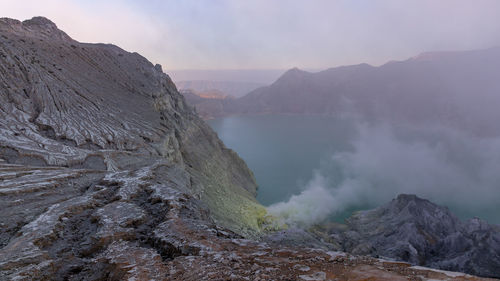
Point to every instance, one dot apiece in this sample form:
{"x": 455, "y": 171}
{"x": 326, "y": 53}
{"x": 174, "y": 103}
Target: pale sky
{"x": 272, "y": 34}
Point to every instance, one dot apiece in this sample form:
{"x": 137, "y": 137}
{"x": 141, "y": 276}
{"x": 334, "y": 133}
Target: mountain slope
{"x": 75, "y": 117}
{"x": 234, "y": 89}
{"x": 95, "y": 105}
{"x": 206, "y": 107}
{"x": 415, "y": 230}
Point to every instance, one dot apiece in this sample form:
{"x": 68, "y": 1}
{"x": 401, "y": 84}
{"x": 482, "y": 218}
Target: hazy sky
{"x": 277, "y": 34}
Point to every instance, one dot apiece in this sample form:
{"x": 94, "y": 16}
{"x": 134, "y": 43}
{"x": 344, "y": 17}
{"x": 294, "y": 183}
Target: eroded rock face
{"x": 120, "y": 217}
{"x": 96, "y": 144}
{"x": 96, "y": 106}
{"x": 417, "y": 231}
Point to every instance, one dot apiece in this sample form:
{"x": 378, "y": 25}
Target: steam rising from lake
{"x": 446, "y": 166}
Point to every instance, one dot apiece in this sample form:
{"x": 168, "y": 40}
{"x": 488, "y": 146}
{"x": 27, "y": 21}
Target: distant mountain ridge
{"x": 458, "y": 89}
{"x": 264, "y": 76}
{"x": 208, "y": 105}
{"x": 227, "y": 88}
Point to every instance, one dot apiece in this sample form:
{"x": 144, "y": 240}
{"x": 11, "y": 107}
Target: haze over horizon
{"x": 273, "y": 35}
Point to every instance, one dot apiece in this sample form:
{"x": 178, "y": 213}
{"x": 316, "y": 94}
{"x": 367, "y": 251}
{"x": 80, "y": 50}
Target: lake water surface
{"x": 285, "y": 151}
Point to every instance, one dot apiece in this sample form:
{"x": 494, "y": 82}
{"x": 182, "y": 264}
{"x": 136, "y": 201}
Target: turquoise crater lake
{"x": 365, "y": 168}
{"x": 283, "y": 151}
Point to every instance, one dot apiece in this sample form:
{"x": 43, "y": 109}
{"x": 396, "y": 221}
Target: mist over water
{"x": 445, "y": 166}
{"x": 369, "y": 164}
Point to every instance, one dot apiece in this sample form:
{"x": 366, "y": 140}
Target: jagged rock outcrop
{"x": 417, "y": 231}
{"x": 106, "y": 174}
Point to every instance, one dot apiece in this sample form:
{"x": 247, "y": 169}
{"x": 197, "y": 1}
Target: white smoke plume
{"x": 448, "y": 167}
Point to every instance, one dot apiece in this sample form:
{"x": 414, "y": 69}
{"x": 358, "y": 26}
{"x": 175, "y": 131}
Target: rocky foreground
{"x": 124, "y": 227}
{"x": 106, "y": 174}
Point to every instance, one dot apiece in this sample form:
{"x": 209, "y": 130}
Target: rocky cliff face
{"x": 95, "y": 106}
{"x": 106, "y": 174}
{"x": 91, "y": 134}
{"x": 417, "y": 231}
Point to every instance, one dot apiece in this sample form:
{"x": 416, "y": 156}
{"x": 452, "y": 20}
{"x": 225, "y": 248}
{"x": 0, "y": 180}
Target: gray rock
{"x": 417, "y": 231}
{"x": 315, "y": 276}
{"x": 294, "y": 237}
